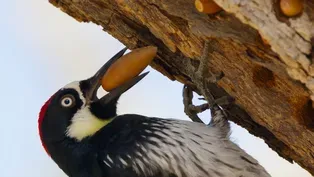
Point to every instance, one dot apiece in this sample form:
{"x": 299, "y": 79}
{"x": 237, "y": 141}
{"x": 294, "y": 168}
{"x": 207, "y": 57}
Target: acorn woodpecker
{"x": 85, "y": 137}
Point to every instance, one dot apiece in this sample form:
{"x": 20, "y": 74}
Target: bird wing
{"x": 163, "y": 147}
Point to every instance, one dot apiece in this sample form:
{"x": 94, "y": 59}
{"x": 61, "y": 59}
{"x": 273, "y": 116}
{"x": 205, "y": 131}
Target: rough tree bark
{"x": 272, "y": 83}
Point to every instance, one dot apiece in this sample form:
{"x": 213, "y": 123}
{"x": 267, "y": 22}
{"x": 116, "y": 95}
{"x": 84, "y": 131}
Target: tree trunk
{"x": 272, "y": 82}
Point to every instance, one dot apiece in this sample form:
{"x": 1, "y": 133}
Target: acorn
{"x": 207, "y": 6}
{"x": 128, "y": 67}
{"x": 291, "y": 8}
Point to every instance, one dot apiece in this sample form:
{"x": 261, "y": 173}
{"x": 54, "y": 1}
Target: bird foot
{"x": 223, "y": 101}
{"x": 191, "y": 110}
{"x": 203, "y": 72}
{"x": 202, "y": 75}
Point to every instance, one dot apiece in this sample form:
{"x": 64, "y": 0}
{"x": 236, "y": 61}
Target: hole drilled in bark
{"x": 302, "y": 110}
{"x": 307, "y": 115}
{"x": 311, "y": 56}
{"x": 263, "y": 77}
{"x": 280, "y": 14}
{"x": 280, "y": 17}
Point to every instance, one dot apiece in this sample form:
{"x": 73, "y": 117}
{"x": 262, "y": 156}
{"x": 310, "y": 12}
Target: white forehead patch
{"x": 76, "y": 86}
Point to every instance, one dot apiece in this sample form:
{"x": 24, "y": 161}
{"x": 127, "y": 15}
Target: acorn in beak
{"x": 119, "y": 74}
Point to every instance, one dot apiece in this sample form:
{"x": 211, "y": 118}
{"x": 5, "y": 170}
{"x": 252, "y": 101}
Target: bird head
{"x": 75, "y": 111}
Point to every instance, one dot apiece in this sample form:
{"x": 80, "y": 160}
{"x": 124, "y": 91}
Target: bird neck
{"x": 70, "y": 151}
{"x": 85, "y": 124}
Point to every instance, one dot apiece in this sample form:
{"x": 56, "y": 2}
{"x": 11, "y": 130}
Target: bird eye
{"x": 67, "y": 101}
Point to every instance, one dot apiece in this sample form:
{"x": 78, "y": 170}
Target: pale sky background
{"x": 41, "y": 50}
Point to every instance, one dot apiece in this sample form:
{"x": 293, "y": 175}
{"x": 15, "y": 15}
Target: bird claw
{"x": 202, "y": 72}
{"x": 191, "y": 110}
{"x": 222, "y": 101}
{"x": 214, "y": 78}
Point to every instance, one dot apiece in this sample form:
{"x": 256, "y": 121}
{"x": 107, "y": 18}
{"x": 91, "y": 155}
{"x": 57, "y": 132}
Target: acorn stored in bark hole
{"x": 207, "y": 6}
{"x": 291, "y": 8}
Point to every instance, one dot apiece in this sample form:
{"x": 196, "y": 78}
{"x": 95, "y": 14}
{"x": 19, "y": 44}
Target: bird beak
{"x": 92, "y": 84}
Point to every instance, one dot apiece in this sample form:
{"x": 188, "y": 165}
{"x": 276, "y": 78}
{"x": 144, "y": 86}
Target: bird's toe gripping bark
{"x": 189, "y": 109}
{"x": 203, "y": 72}
{"x": 192, "y": 110}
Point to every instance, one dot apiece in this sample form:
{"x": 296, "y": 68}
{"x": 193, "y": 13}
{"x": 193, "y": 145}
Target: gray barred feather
{"x": 189, "y": 149}
{"x": 219, "y": 120}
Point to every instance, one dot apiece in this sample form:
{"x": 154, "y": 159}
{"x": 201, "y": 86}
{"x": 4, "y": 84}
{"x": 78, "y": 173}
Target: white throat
{"x": 85, "y": 124}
